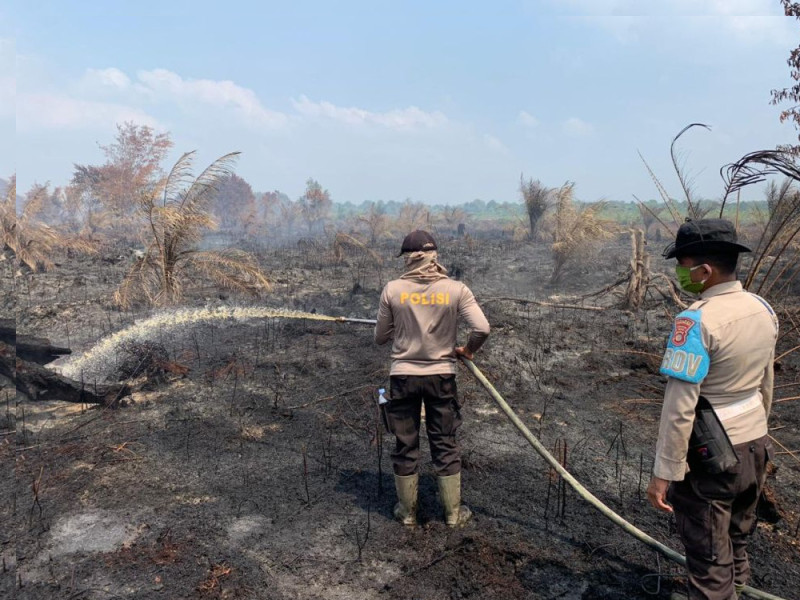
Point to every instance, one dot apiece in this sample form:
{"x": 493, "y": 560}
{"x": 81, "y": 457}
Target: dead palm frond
{"x": 669, "y": 203}
{"x": 682, "y": 175}
{"x": 343, "y": 243}
{"x": 32, "y": 242}
{"x": 694, "y": 209}
{"x": 777, "y": 247}
{"x": 755, "y": 167}
{"x": 232, "y": 269}
{"x": 176, "y": 217}
{"x": 774, "y": 258}
{"x": 782, "y": 204}
{"x": 774, "y": 264}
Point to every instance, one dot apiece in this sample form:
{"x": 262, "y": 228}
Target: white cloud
{"x": 56, "y": 111}
{"x": 495, "y": 145}
{"x": 528, "y": 120}
{"x": 163, "y": 85}
{"x": 401, "y": 119}
{"x": 306, "y": 137}
{"x": 110, "y": 78}
{"x": 576, "y": 127}
{"x": 110, "y": 95}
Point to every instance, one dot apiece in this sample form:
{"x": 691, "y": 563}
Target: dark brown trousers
{"x": 714, "y": 515}
{"x": 442, "y": 419}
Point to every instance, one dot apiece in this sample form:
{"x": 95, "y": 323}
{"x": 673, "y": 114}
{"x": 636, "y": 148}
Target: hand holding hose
{"x": 465, "y": 352}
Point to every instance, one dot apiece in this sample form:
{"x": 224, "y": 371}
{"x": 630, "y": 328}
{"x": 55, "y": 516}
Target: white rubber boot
{"x": 455, "y": 514}
{"x": 405, "y": 510}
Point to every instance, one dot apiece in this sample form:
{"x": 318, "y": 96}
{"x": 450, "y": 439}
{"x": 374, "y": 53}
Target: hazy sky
{"x": 433, "y": 101}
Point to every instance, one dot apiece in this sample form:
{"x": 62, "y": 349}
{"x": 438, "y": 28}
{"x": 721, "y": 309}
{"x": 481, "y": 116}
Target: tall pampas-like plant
{"x": 574, "y": 229}
{"x": 176, "y": 215}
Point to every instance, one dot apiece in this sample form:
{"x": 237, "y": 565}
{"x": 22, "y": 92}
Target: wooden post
{"x": 639, "y": 273}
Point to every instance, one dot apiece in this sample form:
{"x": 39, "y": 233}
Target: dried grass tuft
{"x": 574, "y": 229}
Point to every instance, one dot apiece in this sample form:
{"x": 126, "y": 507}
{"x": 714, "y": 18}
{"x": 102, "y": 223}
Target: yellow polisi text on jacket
{"x": 426, "y": 299}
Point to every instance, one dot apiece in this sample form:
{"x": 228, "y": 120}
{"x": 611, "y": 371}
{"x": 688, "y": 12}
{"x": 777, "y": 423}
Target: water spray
{"x": 144, "y": 330}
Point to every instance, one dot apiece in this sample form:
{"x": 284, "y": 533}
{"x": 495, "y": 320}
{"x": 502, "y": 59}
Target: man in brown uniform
{"x": 420, "y": 313}
{"x": 722, "y": 348}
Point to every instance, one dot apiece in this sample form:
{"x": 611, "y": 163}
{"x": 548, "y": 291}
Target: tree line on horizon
{"x": 103, "y": 198}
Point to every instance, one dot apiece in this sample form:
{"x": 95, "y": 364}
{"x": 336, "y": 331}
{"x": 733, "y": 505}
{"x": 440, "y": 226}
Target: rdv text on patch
{"x": 686, "y": 358}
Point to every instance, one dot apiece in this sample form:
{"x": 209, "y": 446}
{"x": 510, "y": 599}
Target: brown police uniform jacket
{"x": 739, "y": 331}
{"x": 422, "y": 319}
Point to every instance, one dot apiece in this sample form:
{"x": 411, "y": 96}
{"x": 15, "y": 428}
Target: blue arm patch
{"x": 686, "y": 357}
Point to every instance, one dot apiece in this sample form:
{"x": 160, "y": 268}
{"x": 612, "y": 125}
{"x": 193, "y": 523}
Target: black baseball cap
{"x": 418, "y": 241}
{"x": 712, "y": 236}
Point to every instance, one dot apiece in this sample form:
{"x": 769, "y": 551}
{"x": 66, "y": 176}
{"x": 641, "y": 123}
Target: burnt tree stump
{"x": 22, "y": 360}
{"x": 29, "y": 348}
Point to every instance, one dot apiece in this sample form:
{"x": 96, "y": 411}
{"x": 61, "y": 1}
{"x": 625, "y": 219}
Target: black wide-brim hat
{"x": 417, "y": 241}
{"x": 705, "y": 236}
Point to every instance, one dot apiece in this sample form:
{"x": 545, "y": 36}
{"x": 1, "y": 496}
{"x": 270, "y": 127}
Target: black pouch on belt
{"x": 710, "y": 448}
{"x": 384, "y": 417}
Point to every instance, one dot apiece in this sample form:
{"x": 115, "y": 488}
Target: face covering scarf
{"x": 423, "y": 267}
{"x": 685, "y": 279}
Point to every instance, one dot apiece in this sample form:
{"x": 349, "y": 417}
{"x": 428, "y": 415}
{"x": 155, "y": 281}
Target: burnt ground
{"x": 262, "y": 472}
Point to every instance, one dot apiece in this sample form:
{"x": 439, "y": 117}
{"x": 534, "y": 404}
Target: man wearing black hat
{"x": 720, "y": 353}
{"x": 419, "y": 312}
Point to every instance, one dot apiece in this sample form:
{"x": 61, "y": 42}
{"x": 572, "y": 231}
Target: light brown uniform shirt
{"x": 739, "y": 331}
{"x": 422, "y": 319}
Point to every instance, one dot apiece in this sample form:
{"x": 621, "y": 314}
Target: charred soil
{"x": 254, "y": 465}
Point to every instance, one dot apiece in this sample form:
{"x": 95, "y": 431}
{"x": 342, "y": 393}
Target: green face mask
{"x": 685, "y": 279}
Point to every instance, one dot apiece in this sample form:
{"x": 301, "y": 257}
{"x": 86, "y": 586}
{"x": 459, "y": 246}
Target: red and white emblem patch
{"x": 681, "y": 330}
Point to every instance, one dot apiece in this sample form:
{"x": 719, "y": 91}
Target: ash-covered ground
{"x": 255, "y": 465}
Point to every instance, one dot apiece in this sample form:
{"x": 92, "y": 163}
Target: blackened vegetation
{"x": 21, "y": 360}
{"x": 754, "y": 168}
{"x": 143, "y": 359}
{"x": 263, "y": 471}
